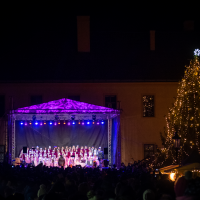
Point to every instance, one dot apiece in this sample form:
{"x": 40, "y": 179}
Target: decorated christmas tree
{"x": 184, "y": 117}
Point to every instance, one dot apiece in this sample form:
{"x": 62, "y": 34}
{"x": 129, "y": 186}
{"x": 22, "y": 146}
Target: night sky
{"x": 39, "y": 43}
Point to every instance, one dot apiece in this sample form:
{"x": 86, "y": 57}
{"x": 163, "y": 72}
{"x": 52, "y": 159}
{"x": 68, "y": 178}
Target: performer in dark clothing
{"x": 100, "y": 154}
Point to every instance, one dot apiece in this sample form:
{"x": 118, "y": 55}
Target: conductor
{"x": 100, "y": 154}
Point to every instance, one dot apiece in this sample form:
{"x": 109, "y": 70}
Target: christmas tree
{"x": 184, "y": 117}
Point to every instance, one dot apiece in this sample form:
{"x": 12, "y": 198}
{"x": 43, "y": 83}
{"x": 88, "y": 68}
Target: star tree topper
{"x": 197, "y": 52}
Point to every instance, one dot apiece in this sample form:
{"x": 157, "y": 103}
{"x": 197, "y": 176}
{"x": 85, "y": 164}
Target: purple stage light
{"x": 68, "y": 123}
{"x": 66, "y": 106}
{"x": 25, "y": 123}
{"x": 83, "y": 123}
{"x": 97, "y": 123}
{"x": 55, "y": 123}
{"x": 40, "y": 123}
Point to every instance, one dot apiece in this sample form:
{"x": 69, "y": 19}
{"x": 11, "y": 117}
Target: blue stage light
{"x": 21, "y": 123}
{"x": 102, "y": 122}
{"x": 36, "y": 123}
{"x": 73, "y": 122}
{"x": 88, "y": 122}
{"x": 50, "y": 123}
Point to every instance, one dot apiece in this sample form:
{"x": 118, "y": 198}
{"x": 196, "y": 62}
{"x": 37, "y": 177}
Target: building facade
{"x": 143, "y": 107}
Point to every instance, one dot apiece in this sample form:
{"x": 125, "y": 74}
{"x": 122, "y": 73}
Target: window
{"x": 148, "y": 106}
{"x": 148, "y": 150}
{"x": 36, "y": 99}
{"x": 74, "y": 97}
{"x": 2, "y": 105}
{"x": 111, "y": 101}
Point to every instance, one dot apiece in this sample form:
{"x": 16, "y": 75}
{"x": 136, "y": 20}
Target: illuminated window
{"x": 148, "y": 106}
{"x": 148, "y": 150}
{"x": 36, "y": 99}
{"x": 111, "y": 101}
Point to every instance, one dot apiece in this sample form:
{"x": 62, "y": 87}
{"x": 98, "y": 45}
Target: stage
{"x": 62, "y": 123}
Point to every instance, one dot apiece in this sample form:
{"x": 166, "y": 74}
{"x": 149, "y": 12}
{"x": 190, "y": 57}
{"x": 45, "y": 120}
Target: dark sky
{"x": 39, "y": 42}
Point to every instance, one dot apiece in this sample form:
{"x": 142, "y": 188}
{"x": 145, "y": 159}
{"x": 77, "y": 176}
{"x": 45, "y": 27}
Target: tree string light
{"x": 184, "y": 116}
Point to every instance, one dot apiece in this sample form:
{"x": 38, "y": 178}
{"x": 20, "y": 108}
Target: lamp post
{"x": 176, "y": 141}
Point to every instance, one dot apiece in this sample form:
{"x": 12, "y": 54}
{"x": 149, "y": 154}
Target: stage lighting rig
{"x": 56, "y": 117}
{"x": 93, "y": 117}
{"x": 73, "y": 117}
{"x": 34, "y": 117}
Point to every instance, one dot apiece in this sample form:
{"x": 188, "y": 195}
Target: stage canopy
{"x": 65, "y": 111}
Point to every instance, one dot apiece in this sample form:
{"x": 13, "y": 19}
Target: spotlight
{"x": 50, "y": 123}
{"x": 79, "y": 122}
{"x": 88, "y": 122}
{"x": 34, "y": 117}
{"x": 40, "y": 123}
{"x": 64, "y": 122}
{"x": 73, "y": 117}
{"x": 36, "y": 123}
{"x": 21, "y": 123}
{"x": 93, "y": 117}
{"x": 25, "y": 123}
{"x": 73, "y": 122}
{"x": 30, "y": 122}
{"x": 93, "y": 122}
{"x": 102, "y": 122}
{"x": 45, "y": 123}
{"x": 59, "y": 122}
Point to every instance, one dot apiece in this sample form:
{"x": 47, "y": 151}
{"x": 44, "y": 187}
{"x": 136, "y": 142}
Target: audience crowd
{"x": 132, "y": 182}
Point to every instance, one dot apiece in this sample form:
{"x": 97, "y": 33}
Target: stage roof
{"x": 64, "y": 108}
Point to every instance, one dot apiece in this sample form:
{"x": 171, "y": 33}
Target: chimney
{"x": 152, "y": 40}
{"x": 83, "y": 33}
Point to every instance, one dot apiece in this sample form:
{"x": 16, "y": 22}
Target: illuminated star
{"x": 197, "y": 52}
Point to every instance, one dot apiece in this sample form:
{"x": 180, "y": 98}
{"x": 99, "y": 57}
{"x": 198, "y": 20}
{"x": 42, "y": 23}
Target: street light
{"x": 176, "y": 141}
